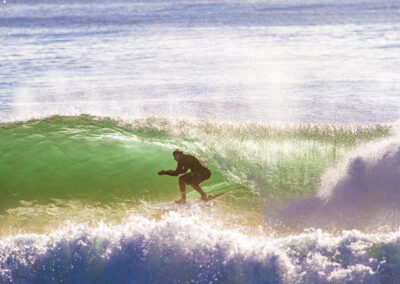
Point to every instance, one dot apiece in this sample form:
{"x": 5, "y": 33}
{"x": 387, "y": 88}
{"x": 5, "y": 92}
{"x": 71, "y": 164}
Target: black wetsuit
{"x": 199, "y": 171}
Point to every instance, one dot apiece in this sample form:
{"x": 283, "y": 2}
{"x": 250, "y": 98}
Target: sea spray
{"x": 361, "y": 192}
{"x": 188, "y": 247}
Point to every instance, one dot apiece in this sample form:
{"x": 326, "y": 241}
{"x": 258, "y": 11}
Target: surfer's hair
{"x": 177, "y": 152}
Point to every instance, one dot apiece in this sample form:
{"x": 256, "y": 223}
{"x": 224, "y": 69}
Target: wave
{"x": 180, "y": 248}
{"x": 48, "y": 164}
{"x": 76, "y": 188}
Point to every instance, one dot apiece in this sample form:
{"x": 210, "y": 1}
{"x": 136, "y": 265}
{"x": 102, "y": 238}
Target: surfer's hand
{"x": 162, "y": 172}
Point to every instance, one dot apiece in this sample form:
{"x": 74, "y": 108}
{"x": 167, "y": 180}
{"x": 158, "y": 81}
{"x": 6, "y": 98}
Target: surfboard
{"x": 172, "y": 206}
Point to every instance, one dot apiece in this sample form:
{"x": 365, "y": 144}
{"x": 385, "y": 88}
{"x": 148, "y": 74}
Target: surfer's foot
{"x": 204, "y": 198}
{"x": 180, "y": 201}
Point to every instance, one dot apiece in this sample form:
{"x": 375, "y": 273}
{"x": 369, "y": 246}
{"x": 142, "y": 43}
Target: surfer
{"x": 199, "y": 172}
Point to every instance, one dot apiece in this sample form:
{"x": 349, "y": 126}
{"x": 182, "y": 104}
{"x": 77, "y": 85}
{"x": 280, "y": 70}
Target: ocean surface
{"x": 294, "y": 106}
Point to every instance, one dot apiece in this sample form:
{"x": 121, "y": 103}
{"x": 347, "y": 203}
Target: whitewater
{"x": 293, "y": 105}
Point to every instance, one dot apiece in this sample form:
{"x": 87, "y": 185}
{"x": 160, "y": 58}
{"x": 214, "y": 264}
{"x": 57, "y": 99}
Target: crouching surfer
{"x": 199, "y": 172}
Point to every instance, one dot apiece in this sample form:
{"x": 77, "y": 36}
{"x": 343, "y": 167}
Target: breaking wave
{"x": 180, "y": 248}
{"x": 76, "y": 190}
{"x": 361, "y": 192}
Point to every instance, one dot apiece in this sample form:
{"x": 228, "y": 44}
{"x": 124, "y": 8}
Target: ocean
{"x": 294, "y": 106}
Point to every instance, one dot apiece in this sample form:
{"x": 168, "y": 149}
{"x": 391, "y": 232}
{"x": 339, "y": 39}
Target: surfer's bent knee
{"x": 181, "y": 179}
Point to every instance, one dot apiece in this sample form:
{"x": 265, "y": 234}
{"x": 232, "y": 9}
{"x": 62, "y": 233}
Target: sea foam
{"x": 179, "y": 248}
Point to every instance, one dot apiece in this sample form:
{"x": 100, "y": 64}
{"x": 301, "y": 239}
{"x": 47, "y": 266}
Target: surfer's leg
{"x": 182, "y": 187}
{"x": 199, "y": 190}
{"x": 197, "y": 178}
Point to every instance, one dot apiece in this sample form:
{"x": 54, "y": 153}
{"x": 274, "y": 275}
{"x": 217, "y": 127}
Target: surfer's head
{"x": 177, "y": 154}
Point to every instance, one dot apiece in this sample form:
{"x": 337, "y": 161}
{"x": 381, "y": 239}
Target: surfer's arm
{"x": 180, "y": 169}
{"x": 169, "y": 173}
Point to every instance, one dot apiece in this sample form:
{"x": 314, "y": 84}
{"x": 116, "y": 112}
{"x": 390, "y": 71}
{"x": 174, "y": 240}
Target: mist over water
{"x": 293, "y": 105}
{"x": 332, "y": 62}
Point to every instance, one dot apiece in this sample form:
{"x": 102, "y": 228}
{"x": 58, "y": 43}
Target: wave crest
{"x": 366, "y": 194}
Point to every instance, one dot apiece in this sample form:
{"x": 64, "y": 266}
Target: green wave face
{"x": 79, "y": 158}
{"x": 47, "y": 165}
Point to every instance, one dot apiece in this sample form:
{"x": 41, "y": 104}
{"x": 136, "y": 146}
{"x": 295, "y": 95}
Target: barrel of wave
{"x": 79, "y": 158}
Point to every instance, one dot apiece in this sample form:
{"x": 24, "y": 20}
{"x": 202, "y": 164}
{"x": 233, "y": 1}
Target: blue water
{"x": 270, "y": 61}
{"x": 266, "y": 62}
